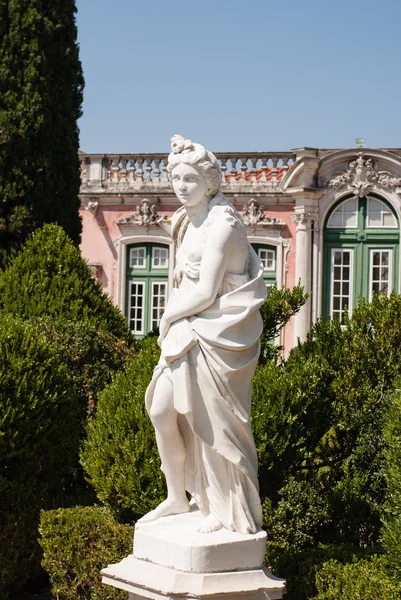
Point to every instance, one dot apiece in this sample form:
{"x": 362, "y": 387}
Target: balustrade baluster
{"x": 114, "y": 169}
{"x": 223, "y": 167}
{"x": 131, "y": 170}
{"x": 156, "y": 170}
{"x": 233, "y": 171}
{"x": 139, "y": 172}
{"x": 148, "y": 170}
{"x": 254, "y": 160}
{"x": 275, "y": 160}
{"x": 243, "y": 167}
{"x": 164, "y": 171}
{"x": 263, "y": 168}
{"x": 122, "y": 174}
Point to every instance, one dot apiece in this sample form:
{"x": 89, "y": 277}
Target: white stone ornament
{"x": 253, "y": 214}
{"x": 362, "y": 175}
{"x": 199, "y": 402}
{"x": 145, "y": 214}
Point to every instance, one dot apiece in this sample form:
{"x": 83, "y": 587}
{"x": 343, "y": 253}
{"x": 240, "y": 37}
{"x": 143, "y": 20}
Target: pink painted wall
{"x": 100, "y": 235}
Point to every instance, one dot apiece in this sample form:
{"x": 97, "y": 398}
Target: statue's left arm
{"x": 215, "y": 259}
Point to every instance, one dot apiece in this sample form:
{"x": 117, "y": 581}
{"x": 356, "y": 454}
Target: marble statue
{"x": 200, "y": 395}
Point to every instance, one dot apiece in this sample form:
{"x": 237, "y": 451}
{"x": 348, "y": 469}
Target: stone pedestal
{"x": 172, "y": 559}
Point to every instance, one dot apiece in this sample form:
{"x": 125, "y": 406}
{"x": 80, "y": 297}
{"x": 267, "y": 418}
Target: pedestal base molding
{"x": 147, "y": 580}
{"x": 173, "y": 560}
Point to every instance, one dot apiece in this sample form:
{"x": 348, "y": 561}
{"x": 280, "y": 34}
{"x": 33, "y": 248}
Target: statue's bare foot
{"x": 168, "y": 507}
{"x": 209, "y": 524}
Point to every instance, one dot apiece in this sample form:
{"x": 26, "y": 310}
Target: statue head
{"x": 200, "y": 163}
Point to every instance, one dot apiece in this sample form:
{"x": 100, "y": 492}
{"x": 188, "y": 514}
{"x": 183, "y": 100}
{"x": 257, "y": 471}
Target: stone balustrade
{"x": 120, "y": 172}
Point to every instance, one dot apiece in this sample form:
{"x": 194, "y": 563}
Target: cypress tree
{"x": 41, "y": 85}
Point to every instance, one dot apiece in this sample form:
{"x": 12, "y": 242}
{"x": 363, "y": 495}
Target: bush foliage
{"x": 300, "y": 567}
{"x": 120, "y": 455}
{"x": 318, "y": 424}
{"x": 78, "y": 543}
{"x": 359, "y": 580}
{"x": 281, "y": 304}
{"x": 392, "y": 470}
{"x": 91, "y": 355}
{"x": 38, "y": 442}
{"x": 49, "y": 278}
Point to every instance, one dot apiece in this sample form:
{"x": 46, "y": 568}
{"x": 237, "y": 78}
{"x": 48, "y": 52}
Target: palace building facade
{"x": 327, "y": 218}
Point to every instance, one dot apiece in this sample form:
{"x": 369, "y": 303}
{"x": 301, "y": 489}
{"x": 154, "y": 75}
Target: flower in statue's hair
{"x": 180, "y": 144}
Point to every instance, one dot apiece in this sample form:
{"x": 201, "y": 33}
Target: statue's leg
{"x": 171, "y": 449}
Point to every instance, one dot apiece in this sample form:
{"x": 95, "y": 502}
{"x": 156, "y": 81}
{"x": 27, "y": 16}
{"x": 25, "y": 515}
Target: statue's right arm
{"x": 165, "y": 223}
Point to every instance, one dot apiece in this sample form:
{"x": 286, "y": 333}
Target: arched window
{"x": 345, "y": 215}
{"x": 360, "y": 255}
{"x": 147, "y": 286}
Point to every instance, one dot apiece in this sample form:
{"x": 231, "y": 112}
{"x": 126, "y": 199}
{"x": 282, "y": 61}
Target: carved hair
{"x": 190, "y": 153}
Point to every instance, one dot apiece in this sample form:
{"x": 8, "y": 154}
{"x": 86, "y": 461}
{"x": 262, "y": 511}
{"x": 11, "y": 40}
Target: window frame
{"x": 158, "y": 247}
{"x": 152, "y": 283}
{"x": 131, "y": 282}
{"x": 390, "y": 269}
{"x": 362, "y": 240}
{"x": 335, "y": 211}
{"x": 389, "y": 210}
{"x": 351, "y": 280}
{"x": 131, "y": 266}
{"x": 148, "y": 275}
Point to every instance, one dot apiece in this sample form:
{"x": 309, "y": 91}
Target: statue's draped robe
{"x": 217, "y": 351}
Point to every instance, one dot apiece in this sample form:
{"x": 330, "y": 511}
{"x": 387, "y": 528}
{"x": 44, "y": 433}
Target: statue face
{"x": 189, "y": 185}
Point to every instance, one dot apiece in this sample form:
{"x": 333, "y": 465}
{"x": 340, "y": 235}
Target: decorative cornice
{"x": 253, "y": 215}
{"x": 362, "y": 176}
{"x": 145, "y": 214}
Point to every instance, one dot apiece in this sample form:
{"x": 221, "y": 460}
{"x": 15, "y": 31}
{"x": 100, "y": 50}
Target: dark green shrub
{"x": 360, "y": 580}
{"x": 318, "y": 423}
{"x": 392, "y": 469}
{"x": 41, "y": 85}
{"x": 300, "y": 516}
{"x": 50, "y": 278}
{"x": 287, "y": 421}
{"x": 38, "y": 442}
{"x": 299, "y": 568}
{"x": 120, "y": 454}
{"x": 92, "y": 356}
{"x": 281, "y": 304}
{"x": 79, "y": 542}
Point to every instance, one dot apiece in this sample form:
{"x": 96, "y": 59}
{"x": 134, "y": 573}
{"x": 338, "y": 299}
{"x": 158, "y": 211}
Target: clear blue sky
{"x": 240, "y": 75}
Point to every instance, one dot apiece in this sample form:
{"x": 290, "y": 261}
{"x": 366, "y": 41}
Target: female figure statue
{"x": 200, "y": 395}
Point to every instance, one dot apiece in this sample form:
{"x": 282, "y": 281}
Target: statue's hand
{"x": 163, "y": 329}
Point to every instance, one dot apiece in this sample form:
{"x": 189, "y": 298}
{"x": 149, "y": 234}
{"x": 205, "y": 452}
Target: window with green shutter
{"x": 360, "y": 254}
{"x": 147, "y": 286}
{"x": 268, "y": 258}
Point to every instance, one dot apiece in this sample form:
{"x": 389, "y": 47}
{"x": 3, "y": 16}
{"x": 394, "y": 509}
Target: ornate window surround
{"x": 282, "y": 248}
{"x": 139, "y": 237}
{"x": 328, "y": 201}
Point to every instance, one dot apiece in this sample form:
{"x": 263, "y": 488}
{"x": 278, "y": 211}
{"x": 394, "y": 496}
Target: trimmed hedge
{"x": 38, "y": 443}
{"x": 299, "y": 568}
{"x": 50, "y": 278}
{"x": 318, "y": 424}
{"x": 92, "y": 356}
{"x": 79, "y": 542}
{"x": 360, "y": 580}
{"x": 120, "y": 454}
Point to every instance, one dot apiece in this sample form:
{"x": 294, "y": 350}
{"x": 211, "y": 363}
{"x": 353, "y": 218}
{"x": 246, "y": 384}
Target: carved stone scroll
{"x": 145, "y": 214}
{"x": 361, "y": 176}
{"x": 253, "y": 214}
